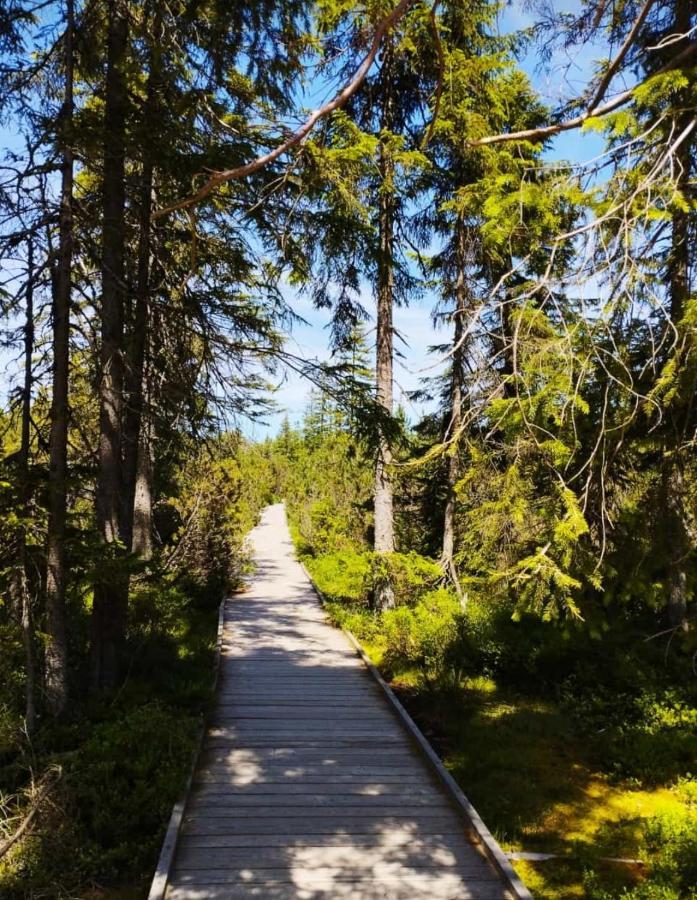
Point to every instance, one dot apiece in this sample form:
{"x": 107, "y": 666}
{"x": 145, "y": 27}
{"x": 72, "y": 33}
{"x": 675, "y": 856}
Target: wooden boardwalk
{"x": 308, "y": 785}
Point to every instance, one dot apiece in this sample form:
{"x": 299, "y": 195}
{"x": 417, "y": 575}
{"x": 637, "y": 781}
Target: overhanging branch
{"x": 546, "y": 131}
{"x": 298, "y": 136}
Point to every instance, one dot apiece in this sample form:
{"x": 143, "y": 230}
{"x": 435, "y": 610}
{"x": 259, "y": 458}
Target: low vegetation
{"x": 569, "y": 740}
{"x": 105, "y": 777}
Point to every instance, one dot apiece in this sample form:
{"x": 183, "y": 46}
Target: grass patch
{"x": 533, "y": 778}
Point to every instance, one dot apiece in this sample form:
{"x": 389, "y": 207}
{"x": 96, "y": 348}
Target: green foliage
{"x": 216, "y": 504}
{"x": 352, "y": 578}
{"x": 124, "y": 764}
{"x": 422, "y": 634}
{"x": 343, "y": 576}
{"x": 124, "y": 781}
{"x": 668, "y": 846}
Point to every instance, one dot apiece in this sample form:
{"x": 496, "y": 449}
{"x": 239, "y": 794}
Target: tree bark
{"x": 384, "y": 350}
{"x": 137, "y": 427}
{"x": 384, "y": 520}
{"x": 111, "y": 585}
{"x": 56, "y": 652}
{"x": 21, "y": 574}
{"x": 141, "y": 542}
{"x": 457, "y": 388}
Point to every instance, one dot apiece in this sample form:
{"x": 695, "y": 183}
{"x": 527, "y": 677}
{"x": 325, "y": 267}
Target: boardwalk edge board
{"x": 477, "y": 828}
{"x": 169, "y": 844}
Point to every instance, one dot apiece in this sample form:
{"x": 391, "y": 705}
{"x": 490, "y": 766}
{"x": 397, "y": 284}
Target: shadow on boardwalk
{"x": 308, "y": 786}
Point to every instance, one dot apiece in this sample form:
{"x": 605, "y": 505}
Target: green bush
{"x": 330, "y": 527}
{"x": 126, "y": 778}
{"x": 108, "y": 812}
{"x": 342, "y": 576}
{"x": 350, "y": 576}
{"x": 422, "y": 634}
{"x": 214, "y": 513}
{"x": 669, "y": 848}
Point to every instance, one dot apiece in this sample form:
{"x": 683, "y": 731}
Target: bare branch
{"x": 298, "y": 136}
{"x": 617, "y": 61}
{"x": 539, "y": 134}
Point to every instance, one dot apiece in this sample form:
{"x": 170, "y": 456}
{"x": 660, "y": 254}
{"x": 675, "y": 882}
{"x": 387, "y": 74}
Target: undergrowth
{"x": 567, "y": 742}
{"x": 123, "y": 764}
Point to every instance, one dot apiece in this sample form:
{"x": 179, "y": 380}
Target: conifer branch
{"x": 546, "y": 131}
{"x": 301, "y": 133}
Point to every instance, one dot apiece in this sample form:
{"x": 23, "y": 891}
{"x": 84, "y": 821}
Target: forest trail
{"x": 308, "y": 785}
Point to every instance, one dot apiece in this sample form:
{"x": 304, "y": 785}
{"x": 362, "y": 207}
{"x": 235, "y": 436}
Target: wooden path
{"x": 308, "y": 785}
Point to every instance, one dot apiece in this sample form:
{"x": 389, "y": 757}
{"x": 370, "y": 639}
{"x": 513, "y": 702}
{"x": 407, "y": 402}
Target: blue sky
{"x": 413, "y": 323}
{"x": 565, "y": 78}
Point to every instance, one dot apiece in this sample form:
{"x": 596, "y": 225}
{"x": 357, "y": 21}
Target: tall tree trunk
{"x": 507, "y": 336}
{"x": 456, "y": 406}
{"x": 384, "y": 351}
{"x": 56, "y": 652}
{"x": 135, "y": 445}
{"x": 679, "y": 290}
{"x": 384, "y": 521}
{"x": 137, "y": 453}
{"x": 111, "y": 585}
{"x": 21, "y": 574}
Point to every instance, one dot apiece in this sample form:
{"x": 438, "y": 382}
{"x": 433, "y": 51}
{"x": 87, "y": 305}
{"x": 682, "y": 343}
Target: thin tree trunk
{"x": 142, "y": 499}
{"x": 507, "y": 336}
{"x": 111, "y": 586}
{"x": 679, "y": 289}
{"x": 56, "y": 652}
{"x": 384, "y": 520}
{"x": 137, "y": 429}
{"x": 136, "y": 432}
{"x": 384, "y": 351}
{"x": 456, "y": 403}
{"x": 22, "y": 593}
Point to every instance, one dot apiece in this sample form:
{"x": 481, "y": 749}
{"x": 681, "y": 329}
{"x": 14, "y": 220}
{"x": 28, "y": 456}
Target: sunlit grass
{"x": 532, "y": 778}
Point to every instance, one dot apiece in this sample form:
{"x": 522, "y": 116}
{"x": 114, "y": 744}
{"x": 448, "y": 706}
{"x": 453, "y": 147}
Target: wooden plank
{"x": 329, "y": 744}
{"x": 300, "y": 777}
{"x": 363, "y": 891}
{"x": 307, "y": 786}
{"x": 317, "y": 804}
{"x": 339, "y": 858}
{"x": 427, "y": 884}
{"x": 389, "y": 841}
{"x": 347, "y": 865}
{"x": 318, "y": 710}
{"x": 303, "y": 729}
{"x": 381, "y": 872}
{"x": 377, "y": 826}
{"x": 267, "y": 757}
{"x": 340, "y": 816}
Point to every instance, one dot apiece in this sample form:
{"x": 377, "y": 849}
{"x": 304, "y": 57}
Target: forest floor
{"x": 536, "y": 782}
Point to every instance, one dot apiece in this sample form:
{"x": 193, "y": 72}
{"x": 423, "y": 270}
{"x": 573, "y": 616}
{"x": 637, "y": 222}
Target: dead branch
{"x": 46, "y": 784}
{"x": 545, "y": 131}
{"x": 298, "y": 136}
{"x": 617, "y": 61}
